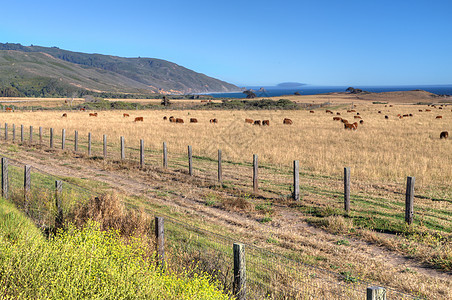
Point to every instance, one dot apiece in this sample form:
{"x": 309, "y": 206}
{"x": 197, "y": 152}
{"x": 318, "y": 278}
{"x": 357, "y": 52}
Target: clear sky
{"x": 320, "y": 42}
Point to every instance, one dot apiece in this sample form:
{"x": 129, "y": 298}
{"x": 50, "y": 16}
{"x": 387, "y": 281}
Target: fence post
{"x": 376, "y": 293}
{"x": 76, "y": 140}
{"x": 89, "y": 144}
{"x": 5, "y": 183}
{"x": 6, "y": 131}
{"x": 165, "y": 156}
{"x": 21, "y": 133}
{"x": 27, "y": 184}
{"x": 409, "y": 205}
{"x": 347, "y": 189}
{"x": 190, "y": 161}
{"x": 105, "y": 146}
{"x": 40, "y": 135}
{"x": 160, "y": 241}
{"x": 239, "y": 271}
{"x": 255, "y": 168}
{"x": 14, "y": 132}
{"x": 63, "y": 138}
{"x": 123, "y": 152}
{"x": 51, "y": 137}
{"x": 31, "y": 135}
{"x": 220, "y": 170}
{"x": 296, "y": 180}
{"x": 141, "y": 153}
{"x": 58, "y": 192}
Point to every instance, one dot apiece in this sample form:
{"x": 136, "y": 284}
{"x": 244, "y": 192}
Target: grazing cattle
{"x": 390, "y": 105}
{"x": 202, "y": 101}
{"x": 287, "y": 121}
{"x": 338, "y": 113}
{"x": 249, "y": 121}
{"x": 125, "y": 115}
{"x": 349, "y": 111}
{"x": 165, "y": 118}
{"x": 337, "y": 118}
{"x": 357, "y": 114}
{"x": 379, "y": 111}
{"x": 400, "y": 117}
{"x": 93, "y": 114}
{"x": 444, "y": 135}
{"x": 179, "y": 120}
{"x": 361, "y": 121}
{"x": 82, "y": 109}
{"x": 420, "y": 110}
{"x": 350, "y": 126}
{"x": 357, "y": 117}
{"x": 257, "y": 122}
{"x": 410, "y": 115}
{"x": 64, "y": 115}
{"x": 344, "y": 121}
{"x": 405, "y": 116}
{"x": 440, "y": 107}
{"x": 311, "y": 111}
{"x": 352, "y": 110}
{"x": 213, "y": 121}
{"x": 439, "y": 117}
{"x": 193, "y": 120}
{"x": 138, "y": 119}
{"x": 386, "y": 117}
{"x": 428, "y": 110}
{"x": 172, "y": 119}
{"x": 9, "y": 109}
{"x": 266, "y": 122}
{"x": 328, "y": 111}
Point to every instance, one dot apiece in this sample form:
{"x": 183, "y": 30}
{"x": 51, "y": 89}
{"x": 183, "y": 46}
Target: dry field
{"x": 380, "y": 151}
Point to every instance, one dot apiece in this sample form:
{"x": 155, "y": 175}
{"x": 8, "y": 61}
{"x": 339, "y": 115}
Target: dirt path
{"x": 289, "y": 227}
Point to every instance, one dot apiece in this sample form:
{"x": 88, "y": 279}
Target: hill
{"x": 35, "y": 67}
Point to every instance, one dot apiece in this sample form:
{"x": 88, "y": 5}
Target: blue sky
{"x": 333, "y": 42}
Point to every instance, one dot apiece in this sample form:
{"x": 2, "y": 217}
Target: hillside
{"x": 35, "y": 66}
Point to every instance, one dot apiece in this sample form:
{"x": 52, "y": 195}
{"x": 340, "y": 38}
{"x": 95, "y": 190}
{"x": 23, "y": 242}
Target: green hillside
{"x": 29, "y": 69}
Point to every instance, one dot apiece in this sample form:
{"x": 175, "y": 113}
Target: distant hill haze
{"x": 100, "y": 73}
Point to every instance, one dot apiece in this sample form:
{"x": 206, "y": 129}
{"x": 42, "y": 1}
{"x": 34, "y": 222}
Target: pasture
{"x": 379, "y": 151}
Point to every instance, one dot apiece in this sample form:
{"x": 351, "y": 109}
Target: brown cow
{"x": 390, "y": 105}
{"x": 179, "y": 120}
{"x": 357, "y": 117}
{"x": 82, "y": 109}
{"x": 406, "y": 115}
{"x": 64, "y": 115}
{"x": 379, "y": 111}
{"x": 9, "y": 109}
{"x": 328, "y": 111}
{"x": 444, "y": 135}
{"x": 213, "y": 121}
{"x": 165, "y": 118}
{"x": 428, "y": 110}
{"x": 266, "y": 122}
{"x": 337, "y": 118}
{"x": 338, "y": 113}
{"x": 344, "y": 121}
{"x": 257, "y": 122}
{"x": 125, "y": 115}
{"x": 93, "y": 114}
{"x": 287, "y": 121}
{"x": 172, "y": 119}
{"x": 352, "y": 110}
{"x": 249, "y": 121}
{"x": 193, "y": 120}
{"x": 439, "y": 117}
{"x": 361, "y": 121}
{"x": 311, "y": 111}
{"x": 350, "y": 126}
{"x": 420, "y": 110}
{"x": 386, "y": 117}
{"x": 138, "y": 119}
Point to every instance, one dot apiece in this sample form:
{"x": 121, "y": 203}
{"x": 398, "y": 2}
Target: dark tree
{"x": 250, "y": 94}
{"x": 165, "y": 101}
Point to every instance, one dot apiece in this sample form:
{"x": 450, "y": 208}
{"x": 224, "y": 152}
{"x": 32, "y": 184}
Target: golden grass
{"x": 379, "y": 151}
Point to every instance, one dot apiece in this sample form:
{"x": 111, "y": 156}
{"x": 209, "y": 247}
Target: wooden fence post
{"x": 220, "y": 170}
{"x": 255, "y": 169}
{"x": 89, "y": 144}
{"x": 190, "y": 161}
{"x": 347, "y": 189}
{"x": 160, "y": 241}
{"x": 21, "y": 133}
{"x": 51, "y": 137}
{"x": 63, "y": 138}
{"x": 58, "y": 196}
{"x": 105, "y": 146}
{"x": 76, "y": 140}
{"x": 123, "y": 150}
{"x": 165, "y": 156}
{"x": 239, "y": 271}
{"x": 14, "y": 132}
{"x": 296, "y": 180}
{"x": 6, "y": 131}
{"x": 40, "y": 135}
{"x": 409, "y": 200}
{"x": 31, "y": 135}
{"x": 5, "y": 182}
{"x": 27, "y": 184}
{"x": 376, "y": 293}
{"x": 141, "y": 153}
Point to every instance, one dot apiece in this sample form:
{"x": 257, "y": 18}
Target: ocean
{"x": 275, "y": 91}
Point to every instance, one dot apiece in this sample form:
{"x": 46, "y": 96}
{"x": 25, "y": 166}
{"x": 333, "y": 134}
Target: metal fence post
{"x": 239, "y": 271}
{"x": 40, "y": 135}
{"x": 63, "y": 138}
{"x": 123, "y": 152}
{"x": 58, "y": 200}
{"x": 160, "y": 241}
{"x": 347, "y": 189}
{"x": 89, "y": 144}
{"x": 255, "y": 169}
{"x": 51, "y": 137}
{"x": 27, "y": 184}
{"x": 76, "y": 140}
{"x": 220, "y": 170}
{"x": 21, "y": 133}
{"x": 141, "y": 153}
{"x": 5, "y": 182}
{"x": 105, "y": 146}
{"x": 190, "y": 161}
{"x": 296, "y": 180}
{"x": 165, "y": 156}
{"x": 376, "y": 293}
{"x": 409, "y": 200}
